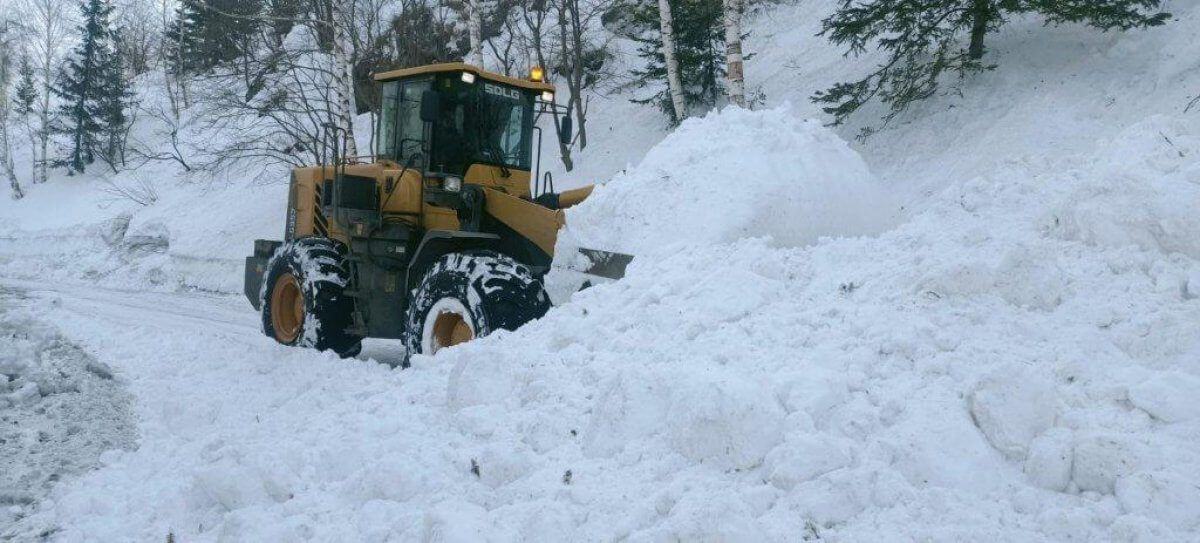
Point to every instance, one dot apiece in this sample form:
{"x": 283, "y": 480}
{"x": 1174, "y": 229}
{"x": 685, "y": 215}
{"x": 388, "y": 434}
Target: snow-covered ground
{"x": 61, "y": 410}
{"x": 981, "y": 324}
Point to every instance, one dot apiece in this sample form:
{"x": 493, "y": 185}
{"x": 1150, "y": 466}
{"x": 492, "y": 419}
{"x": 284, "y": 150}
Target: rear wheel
{"x": 302, "y": 300}
{"x": 468, "y": 295}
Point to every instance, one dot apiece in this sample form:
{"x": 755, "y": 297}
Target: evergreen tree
{"x": 699, "y": 27}
{"x": 211, "y": 33}
{"x": 282, "y": 16}
{"x": 115, "y": 99}
{"x": 26, "y": 92}
{"x": 924, "y": 40}
{"x": 25, "y": 96}
{"x": 84, "y": 84}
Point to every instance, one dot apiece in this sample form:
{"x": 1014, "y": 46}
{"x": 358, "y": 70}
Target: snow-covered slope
{"x": 1057, "y": 93}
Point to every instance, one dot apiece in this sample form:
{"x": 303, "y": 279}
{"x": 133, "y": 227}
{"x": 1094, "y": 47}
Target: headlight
{"x": 468, "y": 77}
{"x": 547, "y": 96}
{"x": 452, "y": 184}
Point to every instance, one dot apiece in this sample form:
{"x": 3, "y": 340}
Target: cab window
{"x": 385, "y": 145}
{"x": 412, "y": 129}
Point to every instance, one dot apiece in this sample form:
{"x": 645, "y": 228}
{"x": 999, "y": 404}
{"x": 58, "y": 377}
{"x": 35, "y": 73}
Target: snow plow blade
{"x": 604, "y": 264}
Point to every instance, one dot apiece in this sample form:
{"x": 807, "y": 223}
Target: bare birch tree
{"x": 140, "y": 32}
{"x": 7, "y": 41}
{"x": 668, "y": 44}
{"x": 47, "y": 26}
{"x": 174, "y": 79}
{"x": 570, "y": 32}
{"x": 734, "y": 73}
{"x": 475, "y": 30}
{"x": 343, "y": 72}
{"x": 534, "y": 14}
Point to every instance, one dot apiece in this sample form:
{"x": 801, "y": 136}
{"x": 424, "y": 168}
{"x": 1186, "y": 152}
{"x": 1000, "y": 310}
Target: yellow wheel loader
{"x": 442, "y": 237}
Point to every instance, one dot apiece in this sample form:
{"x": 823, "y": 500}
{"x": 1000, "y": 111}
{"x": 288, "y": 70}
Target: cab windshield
{"x": 481, "y": 122}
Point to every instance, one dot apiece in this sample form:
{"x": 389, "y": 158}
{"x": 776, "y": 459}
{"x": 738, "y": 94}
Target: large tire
{"x": 302, "y": 300}
{"x": 468, "y": 295}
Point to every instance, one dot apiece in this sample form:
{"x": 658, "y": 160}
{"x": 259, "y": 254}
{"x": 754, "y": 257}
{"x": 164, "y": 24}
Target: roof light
{"x": 468, "y": 77}
{"x": 547, "y": 96}
{"x": 536, "y": 73}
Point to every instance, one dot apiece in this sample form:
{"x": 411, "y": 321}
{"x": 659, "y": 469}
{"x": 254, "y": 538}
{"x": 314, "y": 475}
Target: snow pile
{"x": 1147, "y": 191}
{"x": 1013, "y": 363}
{"x": 60, "y": 409}
{"x": 733, "y": 175}
{"x": 180, "y": 242}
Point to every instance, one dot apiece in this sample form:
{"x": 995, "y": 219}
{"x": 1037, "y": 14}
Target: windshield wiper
{"x": 500, "y": 158}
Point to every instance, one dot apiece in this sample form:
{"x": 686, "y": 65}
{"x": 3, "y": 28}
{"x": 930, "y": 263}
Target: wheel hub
{"x": 449, "y": 326}
{"x": 287, "y": 308}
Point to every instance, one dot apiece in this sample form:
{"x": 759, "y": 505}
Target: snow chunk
{"x": 729, "y": 421}
{"x": 633, "y": 405}
{"x": 1162, "y": 496}
{"x": 804, "y": 458}
{"x": 1101, "y": 459}
{"x": 455, "y": 521}
{"x": 707, "y": 517}
{"x": 1192, "y": 287}
{"x": 1168, "y": 396}
{"x": 1049, "y": 462}
{"x": 17, "y": 356}
{"x": 936, "y": 444}
{"x": 99, "y": 369}
{"x": 230, "y": 485}
{"x": 1011, "y": 408}
{"x": 731, "y": 175}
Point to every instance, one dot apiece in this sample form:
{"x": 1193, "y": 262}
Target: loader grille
{"x": 320, "y": 223}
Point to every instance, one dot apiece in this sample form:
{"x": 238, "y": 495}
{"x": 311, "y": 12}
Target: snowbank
{"x": 1010, "y": 364}
{"x": 731, "y": 175}
{"x": 60, "y": 410}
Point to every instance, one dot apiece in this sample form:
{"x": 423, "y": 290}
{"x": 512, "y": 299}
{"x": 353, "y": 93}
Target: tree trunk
{"x": 674, "y": 86}
{"x": 577, "y": 74}
{"x": 179, "y": 71}
{"x": 5, "y": 145}
{"x": 163, "y": 62}
{"x": 7, "y": 163}
{"x": 535, "y": 25}
{"x": 33, "y": 143}
{"x": 52, "y": 23}
{"x": 475, "y": 29}
{"x": 733, "y": 53}
{"x": 343, "y": 78}
{"x": 981, "y": 15}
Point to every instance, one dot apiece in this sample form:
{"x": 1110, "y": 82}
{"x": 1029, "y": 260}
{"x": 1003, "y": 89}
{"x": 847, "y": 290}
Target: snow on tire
{"x": 468, "y": 295}
{"x": 302, "y": 300}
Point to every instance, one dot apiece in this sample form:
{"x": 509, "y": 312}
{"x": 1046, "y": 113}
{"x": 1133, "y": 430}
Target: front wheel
{"x": 302, "y": 300}
{"x": 468, "y": 295}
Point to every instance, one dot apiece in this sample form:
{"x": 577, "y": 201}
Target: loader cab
{"x": 444, "y": 119}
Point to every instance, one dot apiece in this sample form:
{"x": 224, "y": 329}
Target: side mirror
{"x": 431, "y": 104}
{"x": 564, "y": 130}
